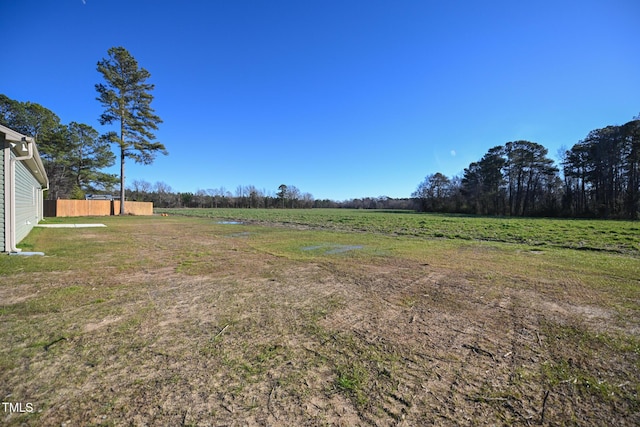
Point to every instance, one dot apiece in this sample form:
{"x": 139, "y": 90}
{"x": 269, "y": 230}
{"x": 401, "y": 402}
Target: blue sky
{"x": 342, "y": 99}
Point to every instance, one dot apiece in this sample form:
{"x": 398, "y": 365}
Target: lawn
{"x": 321, "y": 317}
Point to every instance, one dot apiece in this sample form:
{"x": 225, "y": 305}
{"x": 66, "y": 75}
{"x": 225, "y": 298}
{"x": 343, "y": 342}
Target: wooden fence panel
{"x": 67, "y": 208}
{"x": 133, "y": 208}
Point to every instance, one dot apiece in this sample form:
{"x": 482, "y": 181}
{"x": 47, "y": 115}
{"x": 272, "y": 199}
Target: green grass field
{"x": 323, "y": 317}
{"x": 597, "y": 235}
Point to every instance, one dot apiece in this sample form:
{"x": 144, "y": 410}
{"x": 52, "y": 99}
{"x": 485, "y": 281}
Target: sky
{"x": 341, "y": 98}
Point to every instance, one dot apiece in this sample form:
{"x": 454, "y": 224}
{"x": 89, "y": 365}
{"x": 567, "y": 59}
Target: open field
{"x": 323, "y": 318}
{"x": 599, "y": 235}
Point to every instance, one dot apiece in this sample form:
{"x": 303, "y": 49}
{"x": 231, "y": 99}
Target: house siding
{"x": 22, "y": 178}
{"x": 2, "y": 209}
{"x": 27, "y": 205}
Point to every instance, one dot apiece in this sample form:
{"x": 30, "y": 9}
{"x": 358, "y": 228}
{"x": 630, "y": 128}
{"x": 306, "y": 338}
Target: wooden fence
{"x": 61, "y": 207}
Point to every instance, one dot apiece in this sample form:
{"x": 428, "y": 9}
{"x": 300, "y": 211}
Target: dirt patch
{"x": 90, "y": 327}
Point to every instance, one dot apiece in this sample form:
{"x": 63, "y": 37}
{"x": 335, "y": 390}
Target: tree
{"x": 307, "y": 200}
{"x": 127, "y": 98}
{"x": 72, "y": 155}
{"x": 44, "y": 126}
{"x": 55, "y": 151}
{"x": 483, "y": 183}
{"x": 90, "y": 153}
{"x": 574, "y": 167}
{"x": 602, "y": 173}
{"x": 163, "y": 194}
{"x": 28, "y": 118}
{"x": 255, "y": 196}
{"x": 632, "y": 167}
{"x": 433, "y": 192}
{"x": 140, "y": 190}
{"x": 527, "y": 170}
{"x": 282, "y": 193}
{"x": 293, "y": 195}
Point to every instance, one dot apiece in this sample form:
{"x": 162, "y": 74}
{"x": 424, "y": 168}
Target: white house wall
{"x": 27, "y": 201}
{"x": 22, "y": 180}
{"x": 2, "y": 196}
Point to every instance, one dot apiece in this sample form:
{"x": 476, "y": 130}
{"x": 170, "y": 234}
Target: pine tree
{"x": 127, "y": 98}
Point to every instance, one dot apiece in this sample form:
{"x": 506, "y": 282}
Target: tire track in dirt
{"x": 432, "y": 371}
{"x": 519, "y": 356}
{"x": 466, "y": 358}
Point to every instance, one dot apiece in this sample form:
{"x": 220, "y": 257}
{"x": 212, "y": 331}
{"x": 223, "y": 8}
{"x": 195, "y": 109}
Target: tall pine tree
{"x": 127, "y": 98}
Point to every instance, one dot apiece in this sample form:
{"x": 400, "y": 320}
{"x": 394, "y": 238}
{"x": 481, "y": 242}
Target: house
{"x": 22, "y": 182}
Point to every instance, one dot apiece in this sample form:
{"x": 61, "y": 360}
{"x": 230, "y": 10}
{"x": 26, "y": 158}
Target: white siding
{"x": 27, "y": 208}
{"x": 2, "y": 208}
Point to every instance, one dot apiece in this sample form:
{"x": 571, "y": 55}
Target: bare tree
{"x": 293, "y": 195}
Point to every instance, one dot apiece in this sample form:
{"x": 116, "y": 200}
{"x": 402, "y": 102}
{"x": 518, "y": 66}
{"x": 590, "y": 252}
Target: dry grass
{"x": 182, "y": 321}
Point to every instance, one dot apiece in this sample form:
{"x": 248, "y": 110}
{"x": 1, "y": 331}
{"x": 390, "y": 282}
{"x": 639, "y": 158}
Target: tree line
{"x": 245, "y": 196}
{"x": 597, "y": 177}
{"x": 249, "y": 196}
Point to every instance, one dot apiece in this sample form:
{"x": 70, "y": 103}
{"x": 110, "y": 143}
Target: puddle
{"x": 331, "y": 249}
{"x": 230, "y": 222}
{"x": 345, "y": 248}
{"x": 313, "y": 248}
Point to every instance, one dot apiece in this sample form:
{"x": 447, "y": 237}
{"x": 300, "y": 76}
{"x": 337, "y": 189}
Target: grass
{"x": 182, "y": 321}
{"x": 578, "y": 365}
{"x": 595, "y": 235}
